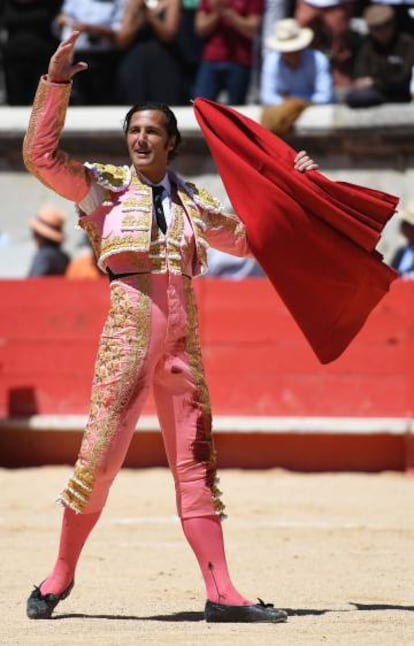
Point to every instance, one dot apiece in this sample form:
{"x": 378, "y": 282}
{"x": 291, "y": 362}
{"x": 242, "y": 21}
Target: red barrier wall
{"x": 257, "y": 360}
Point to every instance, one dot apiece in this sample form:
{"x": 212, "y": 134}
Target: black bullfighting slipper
{"x": 41, "y": 606}
{"x": 258, "y": 612}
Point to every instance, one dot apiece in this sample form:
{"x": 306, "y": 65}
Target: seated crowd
{"x": 283, "y": 53}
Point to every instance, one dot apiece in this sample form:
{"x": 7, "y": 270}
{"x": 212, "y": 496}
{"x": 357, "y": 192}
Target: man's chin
{"x": 142, "y": 162}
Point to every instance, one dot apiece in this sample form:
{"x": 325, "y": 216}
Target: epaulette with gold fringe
{"x": 203, "y": 198}
{"x": 114, "y": 178}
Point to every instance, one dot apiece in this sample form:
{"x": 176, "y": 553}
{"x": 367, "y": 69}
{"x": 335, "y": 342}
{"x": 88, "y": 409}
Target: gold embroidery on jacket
{"x": 133, "y": 222}
{"x": 228, "y": 222}
{"x": 174, "y": 239}
{"x": 56, "y": 121}
{"x": 198, "y": 224}
{"x": 114, "y": 178}
{"x": 138, "y": 230}
{"x": 92, "y": 231}
{"x": 203, "y": 198}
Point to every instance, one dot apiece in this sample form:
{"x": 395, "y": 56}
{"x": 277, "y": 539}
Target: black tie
{"x": 157, "y": 191}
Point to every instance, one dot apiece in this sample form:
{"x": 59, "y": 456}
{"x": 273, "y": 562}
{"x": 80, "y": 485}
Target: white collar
{"x": 165, "y": 182}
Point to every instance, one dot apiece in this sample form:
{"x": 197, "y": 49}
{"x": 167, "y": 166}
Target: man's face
{"x": 407, "y": 230}
{"x": 292, "y": 59}
{"x": 149, "y": 144}
{"x": 383, "y": 34}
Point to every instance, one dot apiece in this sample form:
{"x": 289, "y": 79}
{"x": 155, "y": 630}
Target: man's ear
{"x": 172, "y": 143}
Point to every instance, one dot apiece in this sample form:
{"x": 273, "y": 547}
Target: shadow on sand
{"x": 199, "y": 616}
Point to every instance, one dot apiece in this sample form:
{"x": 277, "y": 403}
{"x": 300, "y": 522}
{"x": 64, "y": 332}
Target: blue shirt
{"x": 311, "y": 80}
{"x": 49, "y": 260}
{"x": 101, "y": 13}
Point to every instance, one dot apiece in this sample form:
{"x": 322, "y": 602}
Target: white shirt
{"x": 166, "y": 196}
{"x": 108, "y": 13}
{"x": 322, "y": 4}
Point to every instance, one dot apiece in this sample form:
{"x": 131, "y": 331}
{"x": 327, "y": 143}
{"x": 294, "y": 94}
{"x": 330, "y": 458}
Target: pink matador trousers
{"x": 150, "y": 338}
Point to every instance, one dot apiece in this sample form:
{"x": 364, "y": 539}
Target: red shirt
{"x": 225, "y": 44}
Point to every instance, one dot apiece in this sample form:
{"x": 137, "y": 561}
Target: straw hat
{"x": 377, "y": 15}
{"x": 407, "y": 215}
{"x": 289, "y": 36}
{"x": 49, "y": 222}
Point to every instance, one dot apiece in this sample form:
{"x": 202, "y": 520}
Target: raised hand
{"x": 61, "y": 69}
{"x": 303, "y": 162}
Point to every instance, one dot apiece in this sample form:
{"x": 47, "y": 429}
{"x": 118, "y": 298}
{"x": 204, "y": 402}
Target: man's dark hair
{"x": 170, "y": 121}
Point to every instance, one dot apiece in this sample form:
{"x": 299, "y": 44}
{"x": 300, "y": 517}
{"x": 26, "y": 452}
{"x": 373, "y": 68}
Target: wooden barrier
{"x": 257, "y": 362}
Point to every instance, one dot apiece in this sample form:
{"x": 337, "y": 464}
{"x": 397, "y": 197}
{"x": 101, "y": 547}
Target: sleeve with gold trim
{"x": 41, "y": 153}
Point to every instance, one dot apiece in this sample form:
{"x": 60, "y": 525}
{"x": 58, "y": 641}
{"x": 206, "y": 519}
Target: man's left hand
{"x": 303, "y": 162}
{"x": 61, "y": 69}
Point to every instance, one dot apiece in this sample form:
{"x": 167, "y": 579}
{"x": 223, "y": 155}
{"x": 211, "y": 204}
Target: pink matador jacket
{"x": 120, "y": 224}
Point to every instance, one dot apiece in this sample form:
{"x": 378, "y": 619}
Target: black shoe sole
{"x": 257, "y": 613}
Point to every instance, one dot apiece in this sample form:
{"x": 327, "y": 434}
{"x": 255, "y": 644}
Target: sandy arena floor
{"x": 336, "y": 550}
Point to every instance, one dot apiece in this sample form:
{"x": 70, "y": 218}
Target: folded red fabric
{"x": 315, "y": 238}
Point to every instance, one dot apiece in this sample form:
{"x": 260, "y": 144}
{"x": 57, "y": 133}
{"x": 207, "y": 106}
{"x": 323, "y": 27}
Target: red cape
{"x": 315, "y": 238}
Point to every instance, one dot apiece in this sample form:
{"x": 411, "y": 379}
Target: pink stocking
{"x": 75, "y": 530}
{"x": 205, "y": 536}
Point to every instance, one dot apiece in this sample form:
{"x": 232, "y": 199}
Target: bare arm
{"x": 133, "y": 19}
{"x": 63, "y": 20}
{"x": 164, "y": 18}
{"x": 248, "y": 26}
{"x": 206, "y": 21}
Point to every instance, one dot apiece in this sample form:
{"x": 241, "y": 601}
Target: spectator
{"x": 292, "y": 68}
{"x": 225, "y": 265}
{"x": 47, "y": 228}
{"x": 330, "y": 21}
{"x": 84, "y": 266}
{"x": 150, "y": 70}
{"x": 404, "y": 14}
{"x": 98, "y": 21}
{"x": 403, "y": 260}
{"x": 4, "y": 239}
{"x": 229, "y": 28}
{"x": 293, "y": 76}
{"x": 274, "y": 10}
{"x": 28, "y": 45}
{"x": 190, "y": 46}
{"x": 384, "y": 63}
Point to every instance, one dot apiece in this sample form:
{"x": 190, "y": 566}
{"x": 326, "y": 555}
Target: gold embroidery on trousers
{"x": 117, "y": 372}
{"x": 204, "y": 450}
